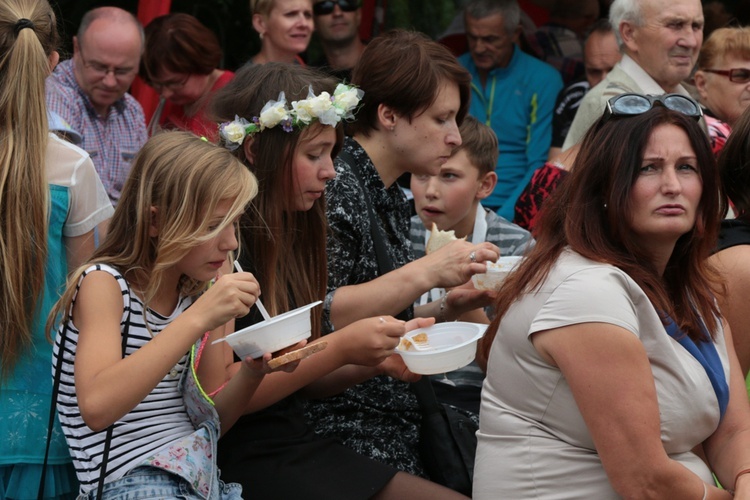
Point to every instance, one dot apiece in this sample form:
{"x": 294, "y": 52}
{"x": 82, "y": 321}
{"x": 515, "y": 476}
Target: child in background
{"x": 144, "y": 292}
{"x": 452, "y": 201}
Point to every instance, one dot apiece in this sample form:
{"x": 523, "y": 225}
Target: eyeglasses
{"x": 102, "y": 70}
{"x": 172, "y": 86}
{"x": 635, "y": 104}
{"x": 736, "y": 75}
{"x": 326, "y": 6}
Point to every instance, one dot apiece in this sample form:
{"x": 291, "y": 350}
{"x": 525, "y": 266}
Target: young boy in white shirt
{"x": 452, "y": 200}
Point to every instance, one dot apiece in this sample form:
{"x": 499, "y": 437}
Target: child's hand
{"x": 394, "y": 367}
{"x": 369, "y": 341}
{"x": 231, "y": 296}
{"x": 466, "y": 298}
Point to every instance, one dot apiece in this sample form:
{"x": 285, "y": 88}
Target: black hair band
{"x": 23, "y": 23}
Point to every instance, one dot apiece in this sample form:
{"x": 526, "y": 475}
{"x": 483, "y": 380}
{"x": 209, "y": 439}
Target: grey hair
{"x": 625, "y": 10}
{"x": 509, "y": 9}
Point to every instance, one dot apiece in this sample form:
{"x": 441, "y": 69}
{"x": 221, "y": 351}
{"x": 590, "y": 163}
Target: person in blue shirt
{"x": 512, "y": 92}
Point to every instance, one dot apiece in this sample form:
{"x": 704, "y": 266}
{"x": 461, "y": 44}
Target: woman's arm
{"x": 393, "y": 292}
{"x": 610, "y": 377}
{"x": 728, "y": 449}
{"x": 353, "y": 354}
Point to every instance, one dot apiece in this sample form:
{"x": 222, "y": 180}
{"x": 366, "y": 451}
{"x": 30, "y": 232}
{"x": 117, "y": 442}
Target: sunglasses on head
{"x": 635, "y": 104}
{"x": 736, "y": 75}
{"x": 326, "y": 7}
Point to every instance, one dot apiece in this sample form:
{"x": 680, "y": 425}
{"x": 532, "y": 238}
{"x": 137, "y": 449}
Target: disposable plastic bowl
{"x": 274, "y": 334}
{"x": 453, "y": 345}
{"x": 496, "y": 273}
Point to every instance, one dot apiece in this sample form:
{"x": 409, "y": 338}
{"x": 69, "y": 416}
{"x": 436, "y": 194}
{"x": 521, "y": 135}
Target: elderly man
{"x": 89, "y": 92}
{"x": 337, "y": 27}
{"x": 660, "y": 40}
{"x": 512, "y": 92}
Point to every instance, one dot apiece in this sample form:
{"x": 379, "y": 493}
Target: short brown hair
{"x": 179, "y": 43}
{"x": 480, "y": 144}
{"x": 723, "y": 42}
{"x": 405, "y": 70}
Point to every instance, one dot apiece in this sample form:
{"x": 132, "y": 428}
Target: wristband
{"x": 443, "y": 305}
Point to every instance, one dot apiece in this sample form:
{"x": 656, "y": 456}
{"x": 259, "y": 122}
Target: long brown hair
{"x": 25, "y": 49}
{"x": 287, "y": 247}
{"x": 589, "y": 212}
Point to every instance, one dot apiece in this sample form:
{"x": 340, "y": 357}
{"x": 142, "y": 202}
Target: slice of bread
{"x": 438, "y": 238}
{"x": 298, "y": 354}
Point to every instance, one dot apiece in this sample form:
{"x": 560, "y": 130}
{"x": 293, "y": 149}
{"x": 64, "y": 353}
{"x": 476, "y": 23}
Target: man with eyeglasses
{"x": 337, "y": 28}
{"x": 89, "y": 92}
{"x": 660, "y": 41}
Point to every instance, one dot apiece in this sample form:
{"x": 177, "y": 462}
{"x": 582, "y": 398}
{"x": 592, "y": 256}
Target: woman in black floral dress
{"x": 416, "y": 95}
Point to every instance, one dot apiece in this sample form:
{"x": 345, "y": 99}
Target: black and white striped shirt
{"x": 155, "y": 422}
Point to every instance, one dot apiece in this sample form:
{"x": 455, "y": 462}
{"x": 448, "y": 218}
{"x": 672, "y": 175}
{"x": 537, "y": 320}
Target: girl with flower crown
{"x": 284, "y": 122}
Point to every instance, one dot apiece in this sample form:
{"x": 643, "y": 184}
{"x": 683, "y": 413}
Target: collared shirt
{"x": 112, "y": 140}
{"x": 626, "y": 76}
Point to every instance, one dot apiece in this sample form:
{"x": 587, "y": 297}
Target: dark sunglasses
{"x": 635, "y": 104}
{"x": 736, "y": 75}
{"x": 326, "y": 7}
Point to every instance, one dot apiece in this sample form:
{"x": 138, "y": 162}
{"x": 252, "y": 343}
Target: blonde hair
{"x": 262, "y": 7}
{"x": 183, "y": 178}
{"x": 25, "y": 48}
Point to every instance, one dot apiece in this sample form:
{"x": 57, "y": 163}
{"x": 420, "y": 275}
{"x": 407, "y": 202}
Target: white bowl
{"x": 496, "y": 273}
{"x": 274, "y": 334}
{"x": 453, "y": 345}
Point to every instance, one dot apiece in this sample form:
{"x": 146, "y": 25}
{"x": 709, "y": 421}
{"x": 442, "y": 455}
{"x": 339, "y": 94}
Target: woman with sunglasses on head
{"x": 723, "y": 80}
{"x": 181, "y": 62}
{"x": 608, "y": 365}
{"x": 284, "y": 28}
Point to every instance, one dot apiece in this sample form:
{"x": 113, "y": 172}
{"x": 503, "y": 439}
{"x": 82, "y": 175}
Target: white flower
{"x": 273, "y": 113}
{"x": 328, "y": 110}
{"x": 346, "y": 98}
{"x": 234, "y": 132}
{"x": 319, "y": 107}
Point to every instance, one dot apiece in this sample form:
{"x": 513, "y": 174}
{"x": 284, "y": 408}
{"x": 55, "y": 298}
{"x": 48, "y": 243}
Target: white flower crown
{"x": 326, "y": 108}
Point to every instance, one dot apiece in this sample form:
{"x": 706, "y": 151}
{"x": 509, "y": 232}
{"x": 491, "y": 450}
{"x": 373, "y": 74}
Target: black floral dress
{"x": 378, "y": 418}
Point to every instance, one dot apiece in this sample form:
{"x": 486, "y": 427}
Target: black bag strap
{"x": 423, "y": 387}
{"x": 385, "y": 263}
{"x": 51, "y": 421}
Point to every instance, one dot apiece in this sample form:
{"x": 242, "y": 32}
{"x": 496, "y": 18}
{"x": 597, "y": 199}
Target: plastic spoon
{"x": 258, "y": 303}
